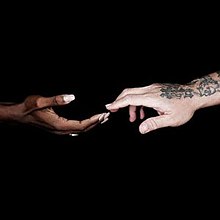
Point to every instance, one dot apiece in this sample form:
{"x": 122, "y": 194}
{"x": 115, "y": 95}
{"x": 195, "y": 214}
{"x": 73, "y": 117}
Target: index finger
{"x": 72, "y": 126}
{"x": 131, "y": 99}
{"x": 130, "y": 91}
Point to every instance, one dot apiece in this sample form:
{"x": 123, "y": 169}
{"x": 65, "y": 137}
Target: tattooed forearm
{"x": 208, "y": 86}
{"x": 205, "y": 86}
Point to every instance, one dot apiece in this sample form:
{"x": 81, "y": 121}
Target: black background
{"x": 95, "y": 57}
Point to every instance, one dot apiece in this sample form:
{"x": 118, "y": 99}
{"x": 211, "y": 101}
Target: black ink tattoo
{"x": 175, "y": 91}
{"x": 206, "y": 86}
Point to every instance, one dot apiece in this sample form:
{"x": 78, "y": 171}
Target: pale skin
{"x": 174, "y": 103}
{"x": 38, "y": 111}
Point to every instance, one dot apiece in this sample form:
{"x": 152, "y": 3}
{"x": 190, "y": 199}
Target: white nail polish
{"x": 101, "y": 116}
{"x": 68, "y": 98}
{"x": 106, "y": 115}
{"x": 106, "y": 119}
{"x": 73, "y": 135}
{"x": 107, "y": 105}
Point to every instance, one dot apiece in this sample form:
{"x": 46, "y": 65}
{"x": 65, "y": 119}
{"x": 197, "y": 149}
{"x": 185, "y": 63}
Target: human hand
{"x": 38, "y": 111}
{"x": 175, "y": 105}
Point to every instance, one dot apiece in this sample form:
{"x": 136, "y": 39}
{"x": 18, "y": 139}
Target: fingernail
{"x": 73, "y": 135}
{"x": 68, "y": 98}
{"x": 106, "y": 115}
{"x": 106, "y": 119}
{"x": 101, "y": 116}
{"x": 107, "y": 105}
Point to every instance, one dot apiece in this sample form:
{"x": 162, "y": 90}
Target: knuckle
{"x": 128, "y": 98}
{"x": 156, "y": 84}
{"x": 125, "y": 91}
{"x": 38, "y": 102}
{"x": 32, "y": 101}
{"x": 82, "y": 126}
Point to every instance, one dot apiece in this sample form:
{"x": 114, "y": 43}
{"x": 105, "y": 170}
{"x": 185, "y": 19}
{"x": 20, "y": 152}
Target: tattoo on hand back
{"x": 175, "y": 91}
{"x": 205, "y": 86}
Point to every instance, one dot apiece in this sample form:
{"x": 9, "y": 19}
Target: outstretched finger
{"x": 74, "y": 126}
{"x": 126, "y": 92}
{"x": 102, "y": 119}
{"x": 135, "y": 100}
{"x": 131, "y": 91}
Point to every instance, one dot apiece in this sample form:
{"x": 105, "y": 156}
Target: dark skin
{"x": 38, "y": 111}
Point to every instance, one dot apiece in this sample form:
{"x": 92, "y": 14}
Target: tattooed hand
{"x": 174, "y": 103}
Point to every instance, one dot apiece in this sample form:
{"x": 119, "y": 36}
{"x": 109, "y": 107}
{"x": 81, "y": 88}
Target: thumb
{"x": 38, "y": 102}
{"x": 154, "y": 123}
{"x": 44, "y": 102}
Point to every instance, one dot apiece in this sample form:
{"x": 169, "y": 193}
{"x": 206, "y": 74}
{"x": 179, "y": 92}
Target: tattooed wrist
{"x": 205, "y": 86}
